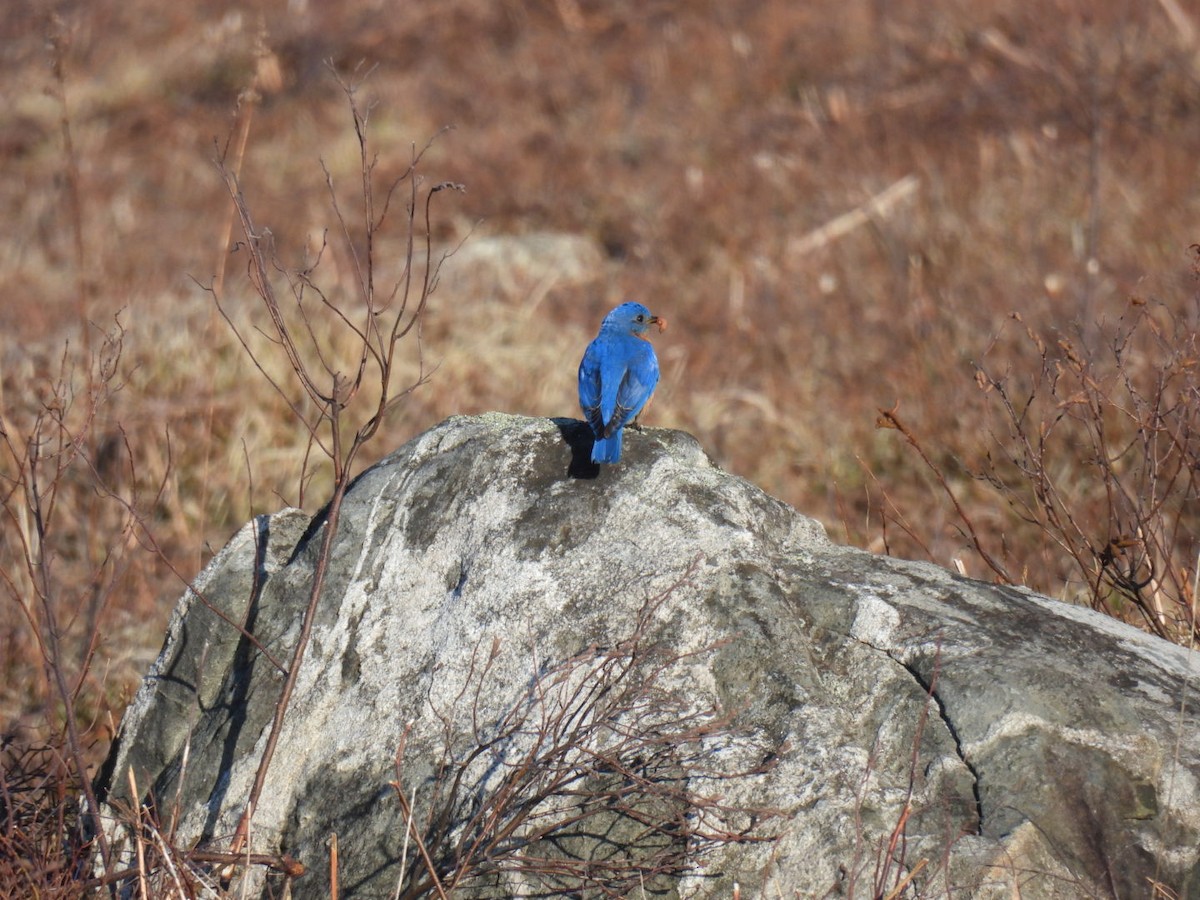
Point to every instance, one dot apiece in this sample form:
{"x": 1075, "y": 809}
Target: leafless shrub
{"x": 76, "y": 526}
{"x": 328, "y": 395}
{"x": 39, "y": 854}
{"x": 602, "y": 779}
{"x": 46, "y": 453}
{"x": 1095, "y": 449}
{"x": 72, "y": 506}
{"x": 161, "y": 868}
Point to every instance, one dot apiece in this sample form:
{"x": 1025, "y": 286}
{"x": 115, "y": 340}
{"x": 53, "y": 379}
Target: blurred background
{"x": 839, "y": 207}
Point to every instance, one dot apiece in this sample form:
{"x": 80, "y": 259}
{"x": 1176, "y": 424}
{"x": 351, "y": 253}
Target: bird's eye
{"x": 640, "y": 318}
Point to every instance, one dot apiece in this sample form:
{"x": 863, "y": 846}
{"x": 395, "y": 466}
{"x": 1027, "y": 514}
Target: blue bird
{"x": 618, "y": 374}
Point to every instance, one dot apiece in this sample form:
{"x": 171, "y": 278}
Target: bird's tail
{"x": 608, "y": 450}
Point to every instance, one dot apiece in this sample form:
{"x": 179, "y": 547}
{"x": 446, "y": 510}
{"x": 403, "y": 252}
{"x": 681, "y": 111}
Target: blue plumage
{"x": 618, "y": 374}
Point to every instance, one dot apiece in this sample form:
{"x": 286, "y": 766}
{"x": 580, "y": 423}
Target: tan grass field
{"x": 837, "y": 206}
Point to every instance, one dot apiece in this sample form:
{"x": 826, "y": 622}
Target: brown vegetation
{"x": 968, "y": 224}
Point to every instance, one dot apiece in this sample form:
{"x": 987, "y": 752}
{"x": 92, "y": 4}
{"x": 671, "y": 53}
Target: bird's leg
{"x": 636, "y": 424}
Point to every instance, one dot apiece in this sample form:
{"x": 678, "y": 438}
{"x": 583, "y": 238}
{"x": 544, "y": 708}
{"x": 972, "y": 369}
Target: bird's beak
{"x": 660, "y": 322}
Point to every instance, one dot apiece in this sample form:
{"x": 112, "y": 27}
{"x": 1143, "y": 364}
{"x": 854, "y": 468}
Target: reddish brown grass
{"x": 989, "y": 165}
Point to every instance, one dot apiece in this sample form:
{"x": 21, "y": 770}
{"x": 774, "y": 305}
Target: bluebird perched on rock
{"x": 617, "y": 376}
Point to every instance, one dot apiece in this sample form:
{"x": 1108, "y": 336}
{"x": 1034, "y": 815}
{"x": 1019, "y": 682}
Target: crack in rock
{"x": 929, "y": 687}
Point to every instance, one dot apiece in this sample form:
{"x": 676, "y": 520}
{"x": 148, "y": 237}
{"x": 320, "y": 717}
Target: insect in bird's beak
{"x": 660, "y": 322}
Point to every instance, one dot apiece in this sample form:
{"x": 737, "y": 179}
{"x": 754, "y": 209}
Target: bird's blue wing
{"x": 635, "y": 383}
{"x": 589, "y": 386}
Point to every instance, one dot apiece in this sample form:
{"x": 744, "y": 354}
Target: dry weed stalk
{"x": 600, "y": 779}
{"x": 60, "y": 37}
{"x": 328, "y": 401}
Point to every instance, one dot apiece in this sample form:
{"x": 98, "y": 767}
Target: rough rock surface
{"x": 980, "y": 741}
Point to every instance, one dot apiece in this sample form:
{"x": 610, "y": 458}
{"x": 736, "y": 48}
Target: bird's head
{"x": 632, "y": 318}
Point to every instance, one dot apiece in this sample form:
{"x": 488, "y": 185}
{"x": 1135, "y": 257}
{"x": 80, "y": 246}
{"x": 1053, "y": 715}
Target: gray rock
{"x": 889, "y": 720}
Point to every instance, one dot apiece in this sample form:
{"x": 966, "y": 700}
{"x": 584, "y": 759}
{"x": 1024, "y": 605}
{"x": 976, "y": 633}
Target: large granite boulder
{"x": 652, "y": 675}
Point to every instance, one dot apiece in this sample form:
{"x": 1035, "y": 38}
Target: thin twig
{"x": 888, "y": 418}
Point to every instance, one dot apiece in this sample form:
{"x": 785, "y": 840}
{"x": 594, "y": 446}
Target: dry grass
{"x": 709, "y": 152}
